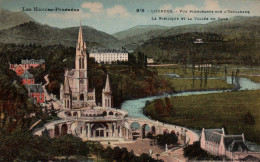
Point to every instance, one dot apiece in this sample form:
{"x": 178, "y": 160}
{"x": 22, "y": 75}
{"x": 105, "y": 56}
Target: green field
{"x": 187, "y": 84}
{"x": 215, "y": 111}
{"x": 187, "y": 72}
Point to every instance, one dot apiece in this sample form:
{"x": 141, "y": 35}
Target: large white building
{"x": 107, "y": 56}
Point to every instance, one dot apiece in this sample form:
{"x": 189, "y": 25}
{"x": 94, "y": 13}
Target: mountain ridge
{"x": 33, "y": 33}
{"x": 10, "y": 19}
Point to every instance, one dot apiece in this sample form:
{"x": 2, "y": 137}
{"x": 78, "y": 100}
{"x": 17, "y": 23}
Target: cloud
{"x": 187, "y": 8}
{"x": 253, "y": 7}
{"x": 118, "y": 10}
{"x": 211, "y": 5}
{"x": 97, "y": 7}
{"x": 94, "y": 7}
{"x": 95, "y": 10}
{"x": 166, "y": 7}
{"x": 69, "y": 15}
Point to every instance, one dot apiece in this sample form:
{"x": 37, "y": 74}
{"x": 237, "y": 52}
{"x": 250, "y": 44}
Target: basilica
{"x": 80, "y": 115}
{"x": 75, "y": 92}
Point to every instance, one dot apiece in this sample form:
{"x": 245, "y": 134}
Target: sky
{"x": 113, "y": 16}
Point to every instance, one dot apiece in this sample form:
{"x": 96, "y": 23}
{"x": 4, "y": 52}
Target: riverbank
{"x": 254, "y": 78}
{"x": 214, "y": 111}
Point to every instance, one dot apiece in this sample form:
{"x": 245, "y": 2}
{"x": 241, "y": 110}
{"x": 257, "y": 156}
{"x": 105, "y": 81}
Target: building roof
{"x": 208, "y": 132}
{"x": 237, "y": 146}
{"x": 215, "y": 137}
{"x": 250, "y": 158}
{"x": 103, "y": 51}
{"x": 229, "y": 139}
{"x": 27, "y": 75}
{"x": 33, "y": 61}
{"x": 35, "y": 88}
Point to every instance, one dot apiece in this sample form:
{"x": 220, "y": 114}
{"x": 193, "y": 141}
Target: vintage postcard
{"x": 130, "y": 80}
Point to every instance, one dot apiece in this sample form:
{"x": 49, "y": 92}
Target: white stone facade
{"x": 216, "y": 142}
{"x": 107, "y": 56}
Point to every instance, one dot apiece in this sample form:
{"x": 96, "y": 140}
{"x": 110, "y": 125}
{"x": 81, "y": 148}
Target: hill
{"x": 238, "y": 27}
{"x": 232, "y": 41}
{"x": 234, "y": 28}
{"x": 10, "y": 19}
{"x": 215, "y": 50}
{"x": 136, "y": 36}
{"x": 34, "y": 33}
{"x": 137, "y": 30}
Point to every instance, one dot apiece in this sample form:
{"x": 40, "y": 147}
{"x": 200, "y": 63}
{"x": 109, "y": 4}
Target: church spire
{"x": 80, "y": 38}
{"x": 107, "y": 86}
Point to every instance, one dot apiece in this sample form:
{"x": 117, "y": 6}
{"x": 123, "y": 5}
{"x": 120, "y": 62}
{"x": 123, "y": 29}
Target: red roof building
{"x": 27, "y": 78}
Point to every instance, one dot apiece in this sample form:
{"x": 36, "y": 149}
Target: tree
{"x": 249, "y": 119}
{"x": 169, "y": 107}
{"x": 98, "y": 148}
{"x": 206, "y": 77}
{"x": 232, "y": 77}
{"x": 194, "y": 152}
{"x": 167, "y": 138}
{"x": 145, "y": 157}
{"x": 159, "y": 107}
{"x": 150, "y": 135}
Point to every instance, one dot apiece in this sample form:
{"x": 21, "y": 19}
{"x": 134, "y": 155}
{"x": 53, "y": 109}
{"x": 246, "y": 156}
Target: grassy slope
{"x": 216, "y": 110}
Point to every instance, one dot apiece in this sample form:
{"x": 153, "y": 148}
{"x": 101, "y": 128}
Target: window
{"x": 82, "y": 63}
{"x": 79, "y": 63}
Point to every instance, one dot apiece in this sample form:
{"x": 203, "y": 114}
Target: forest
{"x": 215, "y": 49}
{"x": 129, "y": 81}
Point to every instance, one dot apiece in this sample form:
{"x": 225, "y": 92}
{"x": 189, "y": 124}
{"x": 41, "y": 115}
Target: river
{"x": 134, "y": 107}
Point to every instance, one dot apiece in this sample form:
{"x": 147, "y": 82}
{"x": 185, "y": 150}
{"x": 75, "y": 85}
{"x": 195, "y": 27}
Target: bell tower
{"x": 81, "y": 68}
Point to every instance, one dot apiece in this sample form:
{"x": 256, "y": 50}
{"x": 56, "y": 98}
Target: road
{"x": 57, "y": 105}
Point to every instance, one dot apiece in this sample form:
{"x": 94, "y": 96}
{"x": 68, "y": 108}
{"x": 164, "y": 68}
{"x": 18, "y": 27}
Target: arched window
{"x": 82, "y": 97}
